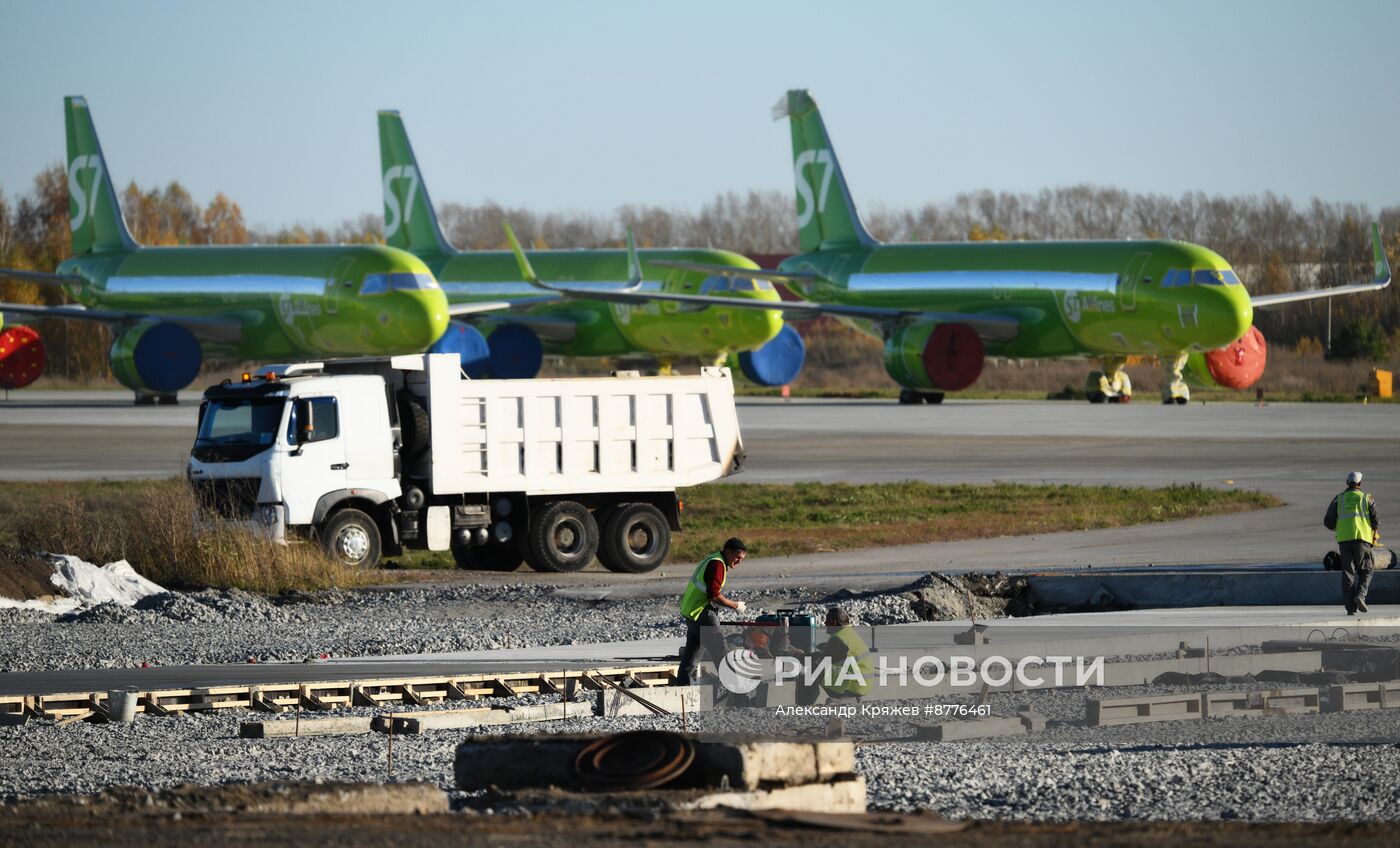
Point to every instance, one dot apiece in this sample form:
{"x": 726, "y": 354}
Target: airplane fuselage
{"x": 290, "y": 301}
{"x": 1095, "y": 299}
{"x": 613, "y": 329}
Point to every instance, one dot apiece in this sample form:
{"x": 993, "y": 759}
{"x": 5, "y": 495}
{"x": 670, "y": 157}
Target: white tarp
{"x": 81, "y": 584}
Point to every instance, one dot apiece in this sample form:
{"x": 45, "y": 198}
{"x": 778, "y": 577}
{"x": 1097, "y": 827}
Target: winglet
{"x": 1382, "y": 274}
{"x": 527, "y": 271}
{"x": 634, "y": 265}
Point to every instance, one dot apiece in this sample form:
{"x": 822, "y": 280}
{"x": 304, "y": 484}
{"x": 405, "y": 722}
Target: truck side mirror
{"x": 305, "y": 423}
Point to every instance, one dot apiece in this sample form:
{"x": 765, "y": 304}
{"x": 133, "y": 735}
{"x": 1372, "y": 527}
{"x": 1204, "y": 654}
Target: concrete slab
{"x": 1101, "y": 712}
{"x": 674, "y": 699}
{"x": 981, "y": 728}
{"x": 304, "y": 727}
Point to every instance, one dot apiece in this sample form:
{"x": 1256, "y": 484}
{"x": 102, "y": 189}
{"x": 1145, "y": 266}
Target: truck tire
{"x": 492, "y": 556}
{"x": 351, "y": 538}
{"x": 413, "y": 425}
{"x": 636, "y": 539}
{"x": 562, "y": 537}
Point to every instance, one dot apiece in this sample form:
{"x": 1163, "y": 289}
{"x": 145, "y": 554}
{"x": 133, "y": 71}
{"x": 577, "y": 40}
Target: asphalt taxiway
{"x": 1299, "y": 452}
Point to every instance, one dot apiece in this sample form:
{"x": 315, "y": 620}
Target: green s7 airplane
{"x": 504, "y": 325}
{"x": 941, "y": 309}
{"x": 172, "y": 306}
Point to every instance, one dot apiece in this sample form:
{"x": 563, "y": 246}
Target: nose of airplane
{"x": 424, "y": 316}
{"x": 759, "y": 325}
{"x": 1226, "y": 314}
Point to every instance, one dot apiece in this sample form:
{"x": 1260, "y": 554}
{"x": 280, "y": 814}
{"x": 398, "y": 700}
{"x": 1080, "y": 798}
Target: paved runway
{"x": 1300, "y": 452}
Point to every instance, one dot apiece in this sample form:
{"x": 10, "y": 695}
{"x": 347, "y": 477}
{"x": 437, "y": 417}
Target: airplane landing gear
{"x": 910, "y": 397}
{"x": 1174, "y": 389}
{"x": 1111, "y": 385}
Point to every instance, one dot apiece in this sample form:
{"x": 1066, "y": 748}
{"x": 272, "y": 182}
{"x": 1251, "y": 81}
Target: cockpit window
{"x": 1215, "y": 277}
{"x": 381, "y": 283}
{"x": 1176, "y": 277}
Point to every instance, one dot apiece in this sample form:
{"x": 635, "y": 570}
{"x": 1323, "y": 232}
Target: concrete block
{"x": 526, "y": 762}
{"x": 1346, "y": 697}
{"x": 409, "y": 724}
{"x": 1100, "y": 712}
{"x": 1256, "y": 703}
{"x": 1034, "y": 722}
{"x": 547, "y": 712}
{"x": 980, "y": 728}
{"x": 304, "y": 727}
{"x": 844, "y": 795}
{"x": 612, "y": 703}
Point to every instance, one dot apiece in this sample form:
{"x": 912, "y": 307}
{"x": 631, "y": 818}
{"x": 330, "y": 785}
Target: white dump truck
{"x": 372, "y": 456}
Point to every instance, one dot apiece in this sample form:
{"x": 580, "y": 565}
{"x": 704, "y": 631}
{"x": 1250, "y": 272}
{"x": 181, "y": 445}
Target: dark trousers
{"x": 704, "y": 633}
{"x": 1356, "y": 571}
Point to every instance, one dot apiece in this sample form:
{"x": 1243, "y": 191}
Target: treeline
{"x": 1274, "y": 244}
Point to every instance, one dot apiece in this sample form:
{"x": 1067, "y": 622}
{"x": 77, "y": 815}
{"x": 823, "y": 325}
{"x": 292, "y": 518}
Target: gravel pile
{"x": 221, "y": 626}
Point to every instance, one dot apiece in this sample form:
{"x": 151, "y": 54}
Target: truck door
{"x": 316, "y": 464}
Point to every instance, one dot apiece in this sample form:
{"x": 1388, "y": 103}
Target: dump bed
{"x": 578, "y": 435}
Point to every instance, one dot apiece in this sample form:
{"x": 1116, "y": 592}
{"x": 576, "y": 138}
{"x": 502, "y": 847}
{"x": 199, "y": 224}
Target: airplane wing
{"x": 990, "y": 327}
{"x": 1379, "y": 280}
{"x": 550, "y": 327}
{"x": 226, "y": 330}
{"x": 40, "y": 277}
{"x": 732, "y": 272}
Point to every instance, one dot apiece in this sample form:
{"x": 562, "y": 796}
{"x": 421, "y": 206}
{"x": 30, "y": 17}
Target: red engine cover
{"x": 22, "y": 357}
{"x": 953, "y": 357}
{"x": 1239, "y": 364}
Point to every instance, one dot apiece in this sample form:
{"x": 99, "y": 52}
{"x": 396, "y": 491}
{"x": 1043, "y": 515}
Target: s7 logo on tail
{"x": 804, "y": 187}
{"x": 86, "y": 201}
{"x": 397, "y": 214}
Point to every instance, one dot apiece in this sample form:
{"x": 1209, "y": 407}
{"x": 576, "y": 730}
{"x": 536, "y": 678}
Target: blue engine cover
{"x": 778, "y": 362}
{"x": 469, "y": 344}
{"x": 516, "y": 352}
{"x": 166, "y": 357}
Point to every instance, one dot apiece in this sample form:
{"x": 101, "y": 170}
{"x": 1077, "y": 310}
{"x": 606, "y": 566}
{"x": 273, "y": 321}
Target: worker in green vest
{"x": 702, "y": 595}
{"x": 1352, "y": 514}
{"x": 841, "y": 680}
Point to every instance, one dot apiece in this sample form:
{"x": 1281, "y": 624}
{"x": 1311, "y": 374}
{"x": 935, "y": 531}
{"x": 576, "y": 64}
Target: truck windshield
{"x": 233, "y": 430}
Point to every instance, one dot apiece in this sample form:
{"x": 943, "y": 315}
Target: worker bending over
{"x": 702, "y": 595}
{"x": 842, "y": 643}
{"x": 1353, "y": 515}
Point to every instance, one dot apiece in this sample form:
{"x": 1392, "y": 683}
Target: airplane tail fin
{"x": 93, "y": 212}
{"x": 409, "y": 220}
{"x": 826, "y": 215}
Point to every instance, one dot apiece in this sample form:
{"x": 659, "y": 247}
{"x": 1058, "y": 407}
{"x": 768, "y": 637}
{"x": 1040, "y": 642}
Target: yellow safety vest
{"x": 856, "y": 648}
{"x": 697, "y": 594}
{"x": 1353, "y": 516}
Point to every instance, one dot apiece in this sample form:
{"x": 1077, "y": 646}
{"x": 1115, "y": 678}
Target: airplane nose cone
{"x": 1226, "y": 315}
{"x": 426, "y": 317}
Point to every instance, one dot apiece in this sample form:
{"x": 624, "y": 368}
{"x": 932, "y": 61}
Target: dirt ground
{"x": 242, "y": 815}
{"x": 25, "y": 577}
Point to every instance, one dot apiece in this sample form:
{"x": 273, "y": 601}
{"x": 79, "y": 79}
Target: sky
{"x": 574, "y": 106}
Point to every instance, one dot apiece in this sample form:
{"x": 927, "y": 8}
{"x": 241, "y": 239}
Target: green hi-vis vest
{"x": 697, "y": 594}
{"x": 1353, "y": 516}
{"x": 855, "y": 647}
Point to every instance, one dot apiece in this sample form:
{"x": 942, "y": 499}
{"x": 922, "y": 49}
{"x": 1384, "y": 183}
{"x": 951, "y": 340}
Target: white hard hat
{"x": 1354, "y": 478}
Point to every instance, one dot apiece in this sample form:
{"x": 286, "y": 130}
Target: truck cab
{"x": 368, "y": 457}
{"x": 287, "y": 447}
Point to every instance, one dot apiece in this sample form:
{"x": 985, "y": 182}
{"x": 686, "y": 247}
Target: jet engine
{"x": 1238, "y": 365}
{"x": 778, "y": 362}
{"x": 516, "y": 352}
{"x": 934, "y": 357}
{"x": 22, "y": 357}
{"x": 155, "y": 358}
{"x": 470, "y": 346}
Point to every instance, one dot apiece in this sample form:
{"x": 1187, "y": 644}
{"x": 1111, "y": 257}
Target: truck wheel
{"x": 413, "y": 425}
{"x": 492, "y": 556}
{"x": 564, "y": 537}
{"x": 351, "y": 538}
{"x": 636, "y": 539}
